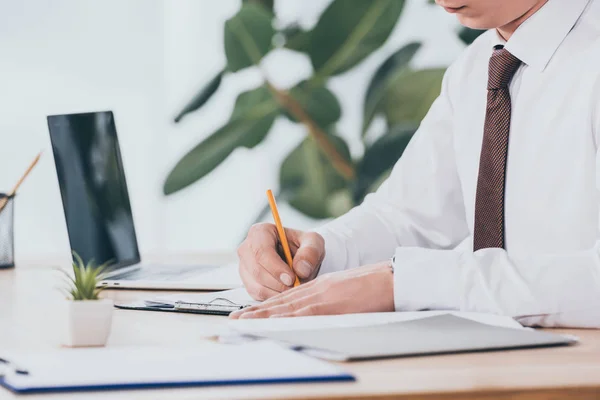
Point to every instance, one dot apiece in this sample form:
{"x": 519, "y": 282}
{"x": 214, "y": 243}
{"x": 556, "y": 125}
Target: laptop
{"x": 98, "y": 211}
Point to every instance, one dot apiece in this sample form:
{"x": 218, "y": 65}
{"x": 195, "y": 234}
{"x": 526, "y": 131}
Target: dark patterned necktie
{"x": 489, "y": 201}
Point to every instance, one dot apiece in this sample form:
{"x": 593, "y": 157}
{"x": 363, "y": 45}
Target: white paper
{"x": 250, "y": 326}
{"x": 125, "y": 365}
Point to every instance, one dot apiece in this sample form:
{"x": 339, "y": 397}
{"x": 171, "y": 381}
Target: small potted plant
{"x": 88, "y": 318}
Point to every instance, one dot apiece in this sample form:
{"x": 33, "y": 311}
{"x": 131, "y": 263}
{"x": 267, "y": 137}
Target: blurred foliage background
{"x": 319, "y": 177}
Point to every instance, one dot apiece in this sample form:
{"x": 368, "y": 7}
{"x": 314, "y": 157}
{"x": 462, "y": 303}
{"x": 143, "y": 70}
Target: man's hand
{"x": 264, "y": 271}
{"x": 365, "y": 289}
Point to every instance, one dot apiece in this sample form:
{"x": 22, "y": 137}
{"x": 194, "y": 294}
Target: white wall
{"x": 144, "y": 59}
{"x": 71, "y": 56}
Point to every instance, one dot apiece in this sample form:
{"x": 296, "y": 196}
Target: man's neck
{"x": 507, "y": 30}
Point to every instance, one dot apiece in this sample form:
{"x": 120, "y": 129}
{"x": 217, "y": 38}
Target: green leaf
{"x": 296, "y": 38}
{"x": 381, "y": 80}
{"x": 318, "y": 102}
{"x": 468, "y": 35}
{"x": 248, "y": 36}
{"x": 202, "y": 96}
{"x": 380, "y": 157}
{"x": 207, "y": 155}
{"x": 252, "y": 118}
{"x": 410, "y": 95}
{"x": 254, "y": 104}
{"x": 311, "y": 177}
{"x": 268, "y": 4}
{"x": 348, "y": 31}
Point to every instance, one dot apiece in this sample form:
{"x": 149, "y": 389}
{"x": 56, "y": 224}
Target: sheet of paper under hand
{"x": 357, "y": 320}
{"x": 437, "y": 334}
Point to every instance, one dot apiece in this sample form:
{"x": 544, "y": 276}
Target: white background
{"x": 144, "y": 59}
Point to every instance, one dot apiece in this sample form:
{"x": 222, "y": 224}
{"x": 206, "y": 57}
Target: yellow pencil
{"x": 282, "y": 238}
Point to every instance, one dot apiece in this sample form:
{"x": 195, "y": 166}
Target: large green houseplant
{"x": 319, "y": 177}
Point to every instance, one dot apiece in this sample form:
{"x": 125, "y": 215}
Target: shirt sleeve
{"x": 537, "y": 290}
{"x": 596, "y": 111}
{"x": 420, "y": 204}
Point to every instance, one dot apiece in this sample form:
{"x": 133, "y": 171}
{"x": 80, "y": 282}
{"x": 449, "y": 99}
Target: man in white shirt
{"x": 494, "y": 206}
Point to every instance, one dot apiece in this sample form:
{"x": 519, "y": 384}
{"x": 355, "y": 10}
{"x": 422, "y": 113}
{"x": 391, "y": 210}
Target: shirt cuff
{"x": 426, "y": 279}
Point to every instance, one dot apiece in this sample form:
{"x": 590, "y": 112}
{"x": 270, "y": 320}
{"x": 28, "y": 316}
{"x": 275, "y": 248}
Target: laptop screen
{"x": 93, "y": 188}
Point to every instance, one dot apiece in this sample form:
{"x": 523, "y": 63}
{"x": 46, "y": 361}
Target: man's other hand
{"x": 359, "y": 290}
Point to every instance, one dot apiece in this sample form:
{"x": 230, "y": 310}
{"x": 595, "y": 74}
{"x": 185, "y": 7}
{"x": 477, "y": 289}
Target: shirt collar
{"x": 538, "y": 38}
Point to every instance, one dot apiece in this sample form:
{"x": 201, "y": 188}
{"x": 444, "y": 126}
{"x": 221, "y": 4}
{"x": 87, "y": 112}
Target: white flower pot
{"x": 87, "y": 322}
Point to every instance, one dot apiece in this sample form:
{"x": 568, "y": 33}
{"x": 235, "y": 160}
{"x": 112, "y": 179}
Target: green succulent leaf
{"x": 82, "y": 284}
{"x": 248, "y": 36}
{"x": 379, "y": 159}
{"x": 319, "y": 103}
{"x": 468, "y": 35}
{"x": 348, "y": 31}
{"x": 380, "y": 82}
{"x": 252, "y": 118}
{"x": 202, "y": 96}
{"x": 410, "y": 95}
{"x": 268, "y": 4}
{"x": 311, "y": 178}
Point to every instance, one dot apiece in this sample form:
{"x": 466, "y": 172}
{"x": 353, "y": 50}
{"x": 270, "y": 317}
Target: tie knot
{"x": 503, "y": 66}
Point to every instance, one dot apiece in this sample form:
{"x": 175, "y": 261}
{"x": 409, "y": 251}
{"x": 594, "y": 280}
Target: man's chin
{"x": 474, "y": 23}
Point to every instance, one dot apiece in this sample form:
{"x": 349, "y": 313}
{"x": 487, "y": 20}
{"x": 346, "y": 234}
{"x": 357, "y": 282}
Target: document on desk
{"x": 147, "y": 367}
{"x": 381, "y": 335}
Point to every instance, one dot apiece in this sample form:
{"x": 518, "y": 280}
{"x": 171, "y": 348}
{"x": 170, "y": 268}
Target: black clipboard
{"x": 217, "y": 306}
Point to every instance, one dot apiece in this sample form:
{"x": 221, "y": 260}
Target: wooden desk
{"x": 29, "y": 313}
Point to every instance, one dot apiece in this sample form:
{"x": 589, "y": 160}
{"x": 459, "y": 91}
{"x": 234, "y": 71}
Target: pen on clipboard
{"x": 282, "y": 238}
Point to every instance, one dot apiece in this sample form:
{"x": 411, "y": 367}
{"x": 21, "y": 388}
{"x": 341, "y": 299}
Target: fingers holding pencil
{"x": 273, "y": 259}
{"x": 262, "y": 267}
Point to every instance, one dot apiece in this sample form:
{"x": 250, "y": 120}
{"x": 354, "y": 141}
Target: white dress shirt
{"x": 549, "y": 273}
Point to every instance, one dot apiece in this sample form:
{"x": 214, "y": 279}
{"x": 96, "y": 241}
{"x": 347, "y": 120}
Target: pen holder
{"x": 6, "y": 231}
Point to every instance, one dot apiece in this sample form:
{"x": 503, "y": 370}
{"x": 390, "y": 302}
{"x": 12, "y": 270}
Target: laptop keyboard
{"x": 163, "y": 273}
